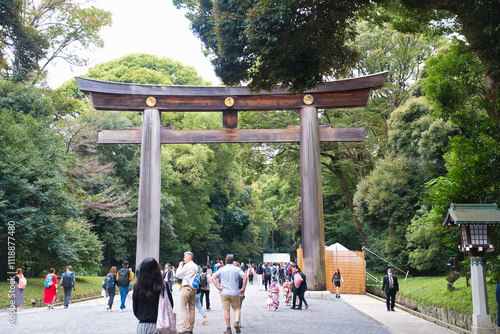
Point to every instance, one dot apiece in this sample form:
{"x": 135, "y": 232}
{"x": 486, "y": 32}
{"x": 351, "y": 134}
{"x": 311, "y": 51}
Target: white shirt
{"x": 187, "y": 272}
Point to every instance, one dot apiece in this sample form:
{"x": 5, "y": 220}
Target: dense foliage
{"x": 36, "y": 32}
{"x": 300, "y": 43}
{"x": 432, "y": 136}
{"x": 293, "y": 43}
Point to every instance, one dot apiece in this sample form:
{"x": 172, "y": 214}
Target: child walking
{"x": 274, "y": 295}
{"x": 287, "y": 291}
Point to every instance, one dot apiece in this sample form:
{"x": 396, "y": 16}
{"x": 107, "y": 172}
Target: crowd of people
{"x": 152, "y": 285}
{"x": 231, "y": 279}
{"x": 280, "y": 280}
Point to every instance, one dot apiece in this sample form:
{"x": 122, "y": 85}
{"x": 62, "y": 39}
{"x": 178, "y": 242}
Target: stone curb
{"x": 426, "y": 317}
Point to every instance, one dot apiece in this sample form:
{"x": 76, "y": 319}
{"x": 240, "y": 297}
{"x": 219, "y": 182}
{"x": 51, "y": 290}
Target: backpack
{"x": 22, "y": 283}
{"x": 275, "y": 271}
{"x": 67, "y": 281}
{"x": 267, "y": 272}
{"x": 203, "y": 280}
{"x": 48, "y": 280}
{"x": 297, "y": 280}
{"x": 111, "y": 281}
{"x": 124, "y": 277}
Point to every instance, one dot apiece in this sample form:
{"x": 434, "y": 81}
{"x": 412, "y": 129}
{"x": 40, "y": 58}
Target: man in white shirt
{"x": 187, "y": 270}
{"x": 229, "y": 276}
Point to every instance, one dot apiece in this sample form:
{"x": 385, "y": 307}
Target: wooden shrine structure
{"x": 154, "y": 99}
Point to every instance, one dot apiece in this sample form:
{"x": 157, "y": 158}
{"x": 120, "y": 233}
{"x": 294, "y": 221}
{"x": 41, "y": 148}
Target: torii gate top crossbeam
{"x": 132, "y": 97}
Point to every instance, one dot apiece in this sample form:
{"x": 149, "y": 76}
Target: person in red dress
{"x": 50, "y": 290}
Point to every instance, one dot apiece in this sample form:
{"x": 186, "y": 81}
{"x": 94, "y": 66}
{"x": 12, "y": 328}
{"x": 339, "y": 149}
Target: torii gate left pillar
{"x": 148, "y": 220}
{"x": 151, "y": 100}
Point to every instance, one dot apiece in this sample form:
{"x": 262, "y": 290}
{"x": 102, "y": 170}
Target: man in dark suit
{"x": 390, "y": 287}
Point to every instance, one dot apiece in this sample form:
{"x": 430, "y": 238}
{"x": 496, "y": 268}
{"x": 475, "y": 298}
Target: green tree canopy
{"x": 457, "y": 89}
{"x": 476, "y": 20}
{"x": 35, "y": 33}
{"x": 295, "y": 43}
{"x": 455, "y": 83}
{"x": 388, "y": 199}
{"x": 32, "y": 190}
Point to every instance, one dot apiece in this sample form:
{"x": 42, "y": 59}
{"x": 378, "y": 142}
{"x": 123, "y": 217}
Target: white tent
{"x": 336, "y": 247}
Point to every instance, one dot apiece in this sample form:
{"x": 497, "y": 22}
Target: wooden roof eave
{"x": 373, "y": 81}
{"x": 449, "y": 222}
{"x": 348, "y": 93}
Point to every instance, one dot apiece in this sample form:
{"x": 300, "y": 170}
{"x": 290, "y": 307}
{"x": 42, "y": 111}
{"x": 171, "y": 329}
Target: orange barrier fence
{"x": 351, "y": 265}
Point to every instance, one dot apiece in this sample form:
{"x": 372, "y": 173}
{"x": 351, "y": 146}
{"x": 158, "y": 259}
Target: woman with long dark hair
{"x": 147, "y": 289}
{"x": 336, "y": 279}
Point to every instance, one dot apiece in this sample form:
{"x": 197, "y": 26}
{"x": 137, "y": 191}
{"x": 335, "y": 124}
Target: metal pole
{"x": 392, "y": 265}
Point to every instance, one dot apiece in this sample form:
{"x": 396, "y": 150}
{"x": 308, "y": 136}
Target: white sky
{"x": 148, "y": 26}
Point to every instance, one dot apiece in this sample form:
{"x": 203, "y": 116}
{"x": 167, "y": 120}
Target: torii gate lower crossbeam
{"x": 152, "y": 100}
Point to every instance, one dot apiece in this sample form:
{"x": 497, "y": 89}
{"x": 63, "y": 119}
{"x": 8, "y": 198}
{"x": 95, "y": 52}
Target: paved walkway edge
{"x": 426, "y": 317}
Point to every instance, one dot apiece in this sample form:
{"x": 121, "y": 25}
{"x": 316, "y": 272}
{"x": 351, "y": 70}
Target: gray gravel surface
{"x": 323, "y": 316}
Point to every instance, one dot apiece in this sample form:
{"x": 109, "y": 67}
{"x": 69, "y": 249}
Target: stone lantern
{"x": 475, "y": 222}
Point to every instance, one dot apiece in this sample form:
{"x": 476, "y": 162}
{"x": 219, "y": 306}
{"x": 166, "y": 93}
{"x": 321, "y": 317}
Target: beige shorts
{"x": 228, "y": 301}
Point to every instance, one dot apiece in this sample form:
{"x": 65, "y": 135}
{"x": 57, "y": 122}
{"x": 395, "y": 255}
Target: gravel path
{"x": 323, "y": 316}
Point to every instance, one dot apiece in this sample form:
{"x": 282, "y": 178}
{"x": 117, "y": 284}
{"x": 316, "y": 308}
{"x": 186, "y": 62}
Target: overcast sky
{"x": 148, "y": 26}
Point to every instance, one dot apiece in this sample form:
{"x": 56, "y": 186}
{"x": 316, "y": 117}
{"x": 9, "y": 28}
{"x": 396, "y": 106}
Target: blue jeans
{"x": 67, "y": 295}
{"x": 197, "y": 303}
{"x": 123, "y": 295}
{"x": 111, "y": 295}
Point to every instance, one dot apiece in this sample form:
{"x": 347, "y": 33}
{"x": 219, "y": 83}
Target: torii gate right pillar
{"x": 313, "y": 234}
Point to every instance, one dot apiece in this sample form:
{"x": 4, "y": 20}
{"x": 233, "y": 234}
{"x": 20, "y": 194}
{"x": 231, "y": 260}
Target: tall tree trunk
{"x": 493, "y": 97}
{"x": 488, "y": 56}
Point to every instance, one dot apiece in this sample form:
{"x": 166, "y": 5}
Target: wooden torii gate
{"x": 153, "y": 99}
